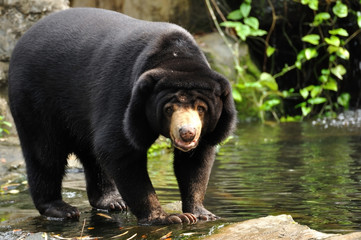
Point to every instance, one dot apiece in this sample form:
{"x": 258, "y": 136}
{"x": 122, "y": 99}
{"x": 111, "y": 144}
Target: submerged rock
{"x": 276, "y": 227}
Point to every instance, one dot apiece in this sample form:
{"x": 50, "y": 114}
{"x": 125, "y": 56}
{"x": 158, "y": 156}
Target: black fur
{"x": 94, "y": 82}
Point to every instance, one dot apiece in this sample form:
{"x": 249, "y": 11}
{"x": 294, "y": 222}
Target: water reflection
{"x": 308, "y": 171}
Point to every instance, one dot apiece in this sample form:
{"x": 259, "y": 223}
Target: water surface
{"x": 310, "y": 171}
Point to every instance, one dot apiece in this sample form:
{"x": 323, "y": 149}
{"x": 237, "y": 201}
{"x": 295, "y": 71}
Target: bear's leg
{"x": 129, "y": 171}
{"x": 102, "y": 192}
{"x": 45, "y": 164}
{"x": 192, "y": 170}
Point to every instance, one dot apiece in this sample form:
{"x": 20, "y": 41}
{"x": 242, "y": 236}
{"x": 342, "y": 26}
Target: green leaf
{"x": 253, "y": 85}
{"x": 343, "y": 53}
{"x": 312, "y": 38}
{"x": 317, "y": 100}
{"x": 339, "y": 31}
{"x": 7, "y": 123}
{"x": 257, "y": 32}
{"x": 340, "y": 9}
{"x": 306, "y": 110}
{"x": 252, "y": 22}
{"x": 331, "y": 84}
{"x": 268, "y": 80}
{"x": 269, "y": 104}
{"x": 236, "y": 95}
{"x": 344, "y": 100}
{"x": 313, "y": 4}
{"x": 235, "y": 15}
{"x": 230, "y": 24}
{"x": 325, "y": 71}
{"x": 320, "y": 17}
{"x": 243, "y": 31}
{"x": 333, "y": 40}
{"x": 245, "y": 9}
{"x": 323, "y": 78}
{"x": 359, "y": 19}
{"x": 310, "y": 53}
{"x": 316, "y": 90}
{"x": 270, "y": 50}
{"x": 304, "y": 93}
{"x": 338, "y": 71}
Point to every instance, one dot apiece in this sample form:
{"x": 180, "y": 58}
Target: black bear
{"x": 103, "y": 85}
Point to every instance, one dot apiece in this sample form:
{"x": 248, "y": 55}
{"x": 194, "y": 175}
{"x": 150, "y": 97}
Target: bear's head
{"x": 186, "y": 106}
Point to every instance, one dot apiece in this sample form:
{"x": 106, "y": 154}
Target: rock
{"x": 17, "y": 16}
{"x": 276, "y": 227}
{"x": 192, "y": 15}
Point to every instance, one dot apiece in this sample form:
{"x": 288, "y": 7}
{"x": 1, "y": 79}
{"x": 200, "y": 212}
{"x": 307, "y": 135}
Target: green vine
{"x": 324, "y": 42}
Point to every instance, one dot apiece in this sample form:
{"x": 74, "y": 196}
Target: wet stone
{"x": 276, "y": 227}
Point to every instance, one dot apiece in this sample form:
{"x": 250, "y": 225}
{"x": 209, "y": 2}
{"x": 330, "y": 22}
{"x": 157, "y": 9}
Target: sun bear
{"x": 104, "y": 86}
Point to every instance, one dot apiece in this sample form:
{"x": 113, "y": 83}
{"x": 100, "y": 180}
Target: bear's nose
{"x": 187, "y": 133}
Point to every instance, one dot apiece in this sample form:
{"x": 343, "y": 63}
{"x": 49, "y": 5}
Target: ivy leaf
{"x": 316, "y": 100}
{"x": 235, "y": 15}
{"x": 243, "y": 31}
{"x": 310, "y": 53}
{"x": 333, "y": 40}
{"x": 331, "y": 85}
{"x": 268, "y": 80}
{"x": 313, "y": 4}
{"x": 304, "y": 93}
{"x": 252, "y": 22}
{"x": 306, "y": 110}
{"x": 230, "y": 24}
{"x": 245, "y": 9}
{"x": 320, "y": 17}
{"x": 338, "y": 71}
{"x": 359, "y": 19}
{"x": 340, "y": 9}
{"x": 343, "y": 53}
{"x": 269, "y": 104}
{"x": 344, "y": 100}
{"x": 316, "y": 90}
{"x": 339, "y": 31}
{"x": 270, "y": 50}
{"x": 257, "y": 32}
{"x": 312, "y": 38}
{"x": 236, "y": 95}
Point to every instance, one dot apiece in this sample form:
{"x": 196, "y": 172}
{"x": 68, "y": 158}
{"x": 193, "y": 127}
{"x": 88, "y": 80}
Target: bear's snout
{"x": 185, "y": 128}
{"x": 187, "y": 133}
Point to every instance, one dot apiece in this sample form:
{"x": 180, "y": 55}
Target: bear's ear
{"x": 135, "y": 125}
{"x": 228, "y": 118}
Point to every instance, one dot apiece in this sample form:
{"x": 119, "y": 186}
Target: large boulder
{"x": 276, "y": 227}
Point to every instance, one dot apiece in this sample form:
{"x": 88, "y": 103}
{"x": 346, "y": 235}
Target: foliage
{"x": 325, "y": 42}
{"x": 3, "y": 126}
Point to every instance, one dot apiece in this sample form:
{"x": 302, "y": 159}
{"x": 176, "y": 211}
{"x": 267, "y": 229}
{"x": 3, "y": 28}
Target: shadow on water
{"x": 310, "y": 171}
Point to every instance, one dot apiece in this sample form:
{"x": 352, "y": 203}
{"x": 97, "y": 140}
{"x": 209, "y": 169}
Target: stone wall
{"x": 17, "y": 16}
{"x": 190, "y": 14}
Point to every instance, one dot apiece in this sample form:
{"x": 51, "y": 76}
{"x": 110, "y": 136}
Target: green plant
{"x": 324, "y": 35}
{"x": 325, "y": 42}
{"x": 256, "y": 95}
{"x": 3, "y": 125}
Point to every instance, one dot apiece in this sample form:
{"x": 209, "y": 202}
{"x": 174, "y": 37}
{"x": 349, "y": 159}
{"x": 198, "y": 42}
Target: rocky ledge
{"x": 276, "y": 227}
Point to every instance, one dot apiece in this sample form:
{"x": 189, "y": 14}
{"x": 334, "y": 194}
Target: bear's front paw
{"x": 110, "y": 203}
{"x": 187, "y": 218}
{"x": 203, "y": 214}
{"x": 59, "y": 209}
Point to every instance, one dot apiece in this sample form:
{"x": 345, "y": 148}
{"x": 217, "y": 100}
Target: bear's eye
{"x": 201, "y": 109}
{"x": 169, "y": 110}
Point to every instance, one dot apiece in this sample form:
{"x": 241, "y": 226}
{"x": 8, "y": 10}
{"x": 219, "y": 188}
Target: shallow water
{"x": 311, "y": 171}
